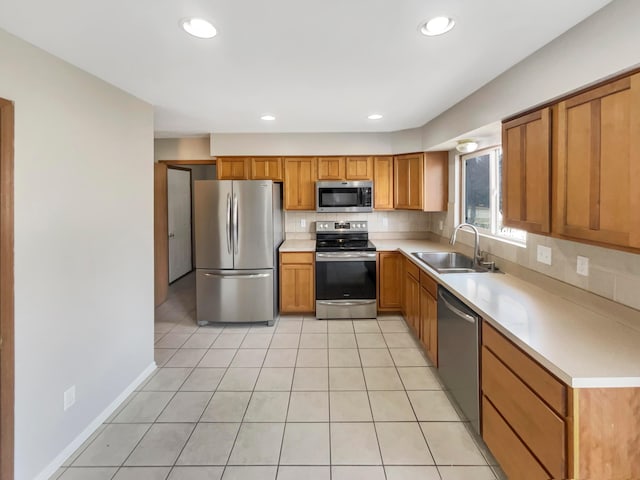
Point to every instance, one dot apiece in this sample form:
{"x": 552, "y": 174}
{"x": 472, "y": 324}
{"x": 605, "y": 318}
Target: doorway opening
{"x": 7, "y": 361}
{"x": 179, "y": 224}
{"x": 174, "y": 240}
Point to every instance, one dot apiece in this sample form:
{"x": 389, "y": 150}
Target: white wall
{"x": 186, "y": 148}
{"x": 601, "y": 45}
{"x": 83, "y": 247}
{"x": 300, "y": 144}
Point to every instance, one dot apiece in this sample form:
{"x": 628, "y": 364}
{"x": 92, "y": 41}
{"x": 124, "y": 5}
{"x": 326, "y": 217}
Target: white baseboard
{"x": 93, "y": 426}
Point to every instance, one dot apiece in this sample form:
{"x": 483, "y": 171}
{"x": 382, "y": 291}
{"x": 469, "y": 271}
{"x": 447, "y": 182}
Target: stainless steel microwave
{"x": 344, "y": 196}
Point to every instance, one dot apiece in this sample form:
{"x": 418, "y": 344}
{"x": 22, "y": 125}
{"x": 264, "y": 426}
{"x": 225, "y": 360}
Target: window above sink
{"x": 481, "y": 195}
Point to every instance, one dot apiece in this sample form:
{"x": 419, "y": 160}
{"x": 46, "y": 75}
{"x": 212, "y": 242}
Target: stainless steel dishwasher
{"x": 458, "y": 332}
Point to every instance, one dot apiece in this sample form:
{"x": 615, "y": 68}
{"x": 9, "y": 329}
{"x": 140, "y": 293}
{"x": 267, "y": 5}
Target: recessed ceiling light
{"x": 268, "y": 118}
{"x": 436, "y": 26}
{"x": 198, "y": 27}
{"x": 375, "y": 116}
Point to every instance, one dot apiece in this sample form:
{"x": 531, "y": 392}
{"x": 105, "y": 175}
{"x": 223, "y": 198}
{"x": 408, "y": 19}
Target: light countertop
{"x": 298, "y": 246}
{"x": 581, "y": 346}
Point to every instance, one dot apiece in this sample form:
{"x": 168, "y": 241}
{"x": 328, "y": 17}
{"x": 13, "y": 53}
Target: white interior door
{"x": 179, "y": 211}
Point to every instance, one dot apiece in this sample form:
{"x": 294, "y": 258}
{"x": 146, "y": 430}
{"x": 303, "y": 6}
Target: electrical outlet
{"x": 69, "y": 397}
{"x": 303, "y": 222}
{"x": 583, "y": 266}
{"x": 441, "y": 225}
{"x": 544, "y": 255}
{"x": 385, "y": 222}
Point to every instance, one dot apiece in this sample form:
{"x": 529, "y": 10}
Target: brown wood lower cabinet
{"x": 412, "y": 296}
{"x": 513, "y": 456}
{"x": 418, "y": 295}
{"x": 389, "y": 272}
{"x": 537, "y": 427}
{"x": 428, "y": 331}
{"x": 297, "y": 282}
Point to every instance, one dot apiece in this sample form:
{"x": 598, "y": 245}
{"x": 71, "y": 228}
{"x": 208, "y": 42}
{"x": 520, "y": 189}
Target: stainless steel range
{"x": 345, "y": 270}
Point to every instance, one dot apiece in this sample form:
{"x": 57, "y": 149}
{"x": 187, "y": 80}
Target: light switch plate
{"x": 303, "y": 222}
{"x": 582, "y": 267}
{"x": 544, "y": 254}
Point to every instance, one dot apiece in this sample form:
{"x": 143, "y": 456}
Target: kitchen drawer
{"x": 550, "y": 389}
{"x": 429, "y": 284}
{"x": 296, "y": 257}
{"x": 514, "y": 458}
{"x": 412, "y": 269}
{"x": 534, "y": 422}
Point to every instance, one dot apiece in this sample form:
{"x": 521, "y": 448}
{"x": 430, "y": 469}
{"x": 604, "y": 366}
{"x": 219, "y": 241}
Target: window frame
{"x": 495, "y": 189}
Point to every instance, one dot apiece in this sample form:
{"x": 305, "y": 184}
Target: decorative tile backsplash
{"x": 302, "y": 224}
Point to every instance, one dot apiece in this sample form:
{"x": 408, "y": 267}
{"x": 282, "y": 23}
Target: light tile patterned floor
{"x": 304, "y": 399}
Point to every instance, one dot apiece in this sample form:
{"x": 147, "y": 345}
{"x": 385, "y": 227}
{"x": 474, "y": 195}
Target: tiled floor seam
{"x": 375, "y": 428}
{"x": 233, "y": 446}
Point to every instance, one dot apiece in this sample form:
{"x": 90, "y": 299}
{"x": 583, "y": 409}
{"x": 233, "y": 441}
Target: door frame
{"x": 175, "y": 167}
{"x": 188, "y": 162}
{"x": 7, "y": 359}
{"x": 160, "y": 234}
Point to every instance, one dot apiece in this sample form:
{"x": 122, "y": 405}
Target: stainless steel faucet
{"x": 477, "y": 259}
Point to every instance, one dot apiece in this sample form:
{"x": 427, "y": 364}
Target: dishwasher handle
{"x": 456, "y": 310}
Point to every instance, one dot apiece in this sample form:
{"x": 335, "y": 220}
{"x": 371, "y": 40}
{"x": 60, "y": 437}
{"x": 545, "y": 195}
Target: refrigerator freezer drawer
{"x": 234, "y": 296}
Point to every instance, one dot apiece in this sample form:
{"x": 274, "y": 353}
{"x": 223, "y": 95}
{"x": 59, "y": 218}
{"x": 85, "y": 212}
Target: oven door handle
{"x": 345, "y": 257}
{"x": 342, "y": 303}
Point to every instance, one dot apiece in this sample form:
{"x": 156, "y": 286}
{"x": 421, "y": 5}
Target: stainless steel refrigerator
{"x": 238, "y": 229}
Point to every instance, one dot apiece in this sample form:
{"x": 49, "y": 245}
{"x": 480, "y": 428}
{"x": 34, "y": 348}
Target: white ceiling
{"x": 317, "y": 65}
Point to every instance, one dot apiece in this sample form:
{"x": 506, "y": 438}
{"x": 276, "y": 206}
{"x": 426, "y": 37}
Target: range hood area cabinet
{"x": 571, "y": 169}
{"x": 345, "y": 168}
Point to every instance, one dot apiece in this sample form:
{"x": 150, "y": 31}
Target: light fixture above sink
{"x": 467, "y": 146}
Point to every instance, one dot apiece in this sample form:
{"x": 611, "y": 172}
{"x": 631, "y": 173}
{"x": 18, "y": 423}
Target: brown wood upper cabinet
{"x": 232, "y": 168}
{"x": 383, "y": 183}
{"x": 421, "y": 181}
{"x": 345, "y": 168}
{"x": 266, "y": 168}
{"x": 359, "y": 168}
{"x": 299, "y": 183}
{"x": 598, "y": 165}
{"x": 331, "y": 168}
{"x": 526, "y": 163}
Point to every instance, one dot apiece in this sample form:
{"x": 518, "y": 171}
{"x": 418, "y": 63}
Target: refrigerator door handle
{"x": 238, "y": 277}
{"x": 235, "y": 224}
{"x": 228, "y": 223}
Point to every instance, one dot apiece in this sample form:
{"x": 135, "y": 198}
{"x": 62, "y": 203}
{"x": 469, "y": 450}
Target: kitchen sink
{"x": 449, "y": 262}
